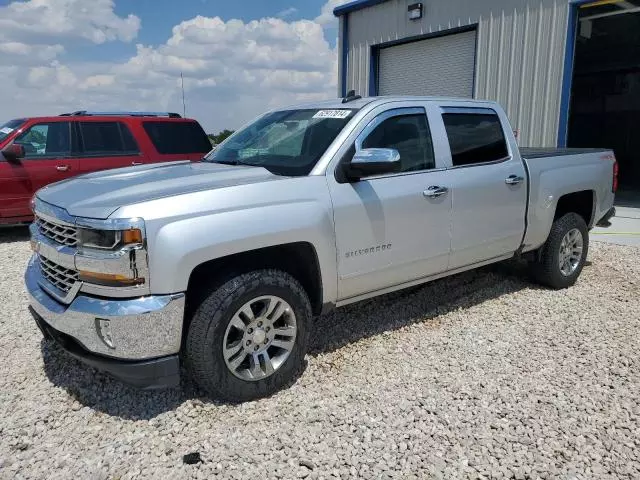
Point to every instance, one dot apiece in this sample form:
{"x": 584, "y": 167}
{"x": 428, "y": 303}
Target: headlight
{"x": 98, "y": 268}
{"x": 108, "y": 239}
{"x": 111, "y": 253}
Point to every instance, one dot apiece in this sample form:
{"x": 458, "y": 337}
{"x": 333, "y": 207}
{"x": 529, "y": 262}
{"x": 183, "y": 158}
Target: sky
{"x": 238, "y": 58}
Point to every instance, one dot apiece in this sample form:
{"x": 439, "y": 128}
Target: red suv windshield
{"x": 10, "y": 126}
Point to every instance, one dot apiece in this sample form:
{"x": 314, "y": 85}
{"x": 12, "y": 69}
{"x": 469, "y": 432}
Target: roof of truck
{"x": 337, "y": 103}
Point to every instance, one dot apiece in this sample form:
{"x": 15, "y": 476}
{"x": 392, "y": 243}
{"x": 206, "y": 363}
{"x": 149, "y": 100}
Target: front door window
{"x": 46, "y": 140}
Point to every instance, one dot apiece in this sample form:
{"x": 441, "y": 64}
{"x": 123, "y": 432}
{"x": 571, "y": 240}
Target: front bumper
{"x": 141, "y": 328}
{"x": 146, "y": 374}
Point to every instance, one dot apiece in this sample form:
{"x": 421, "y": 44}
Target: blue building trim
{"x": 355, "y": 5}
{"x": 567, "y": 79}
{"x": 345, "y": 56}
{"x": 373, "y": 71}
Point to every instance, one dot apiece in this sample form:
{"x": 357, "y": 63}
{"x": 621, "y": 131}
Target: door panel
{"x": 46, "y": 171}
{"x": 88, "y": 164}
{"x": 488, "y": 186}
{"x": 388, "y": 230}
{"x": 15, "y": 189}
{"x": 47, "y": 160}
{"x": 488, "y": 214}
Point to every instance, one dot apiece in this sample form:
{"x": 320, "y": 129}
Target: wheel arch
{"x": 582, "y": 203}
{"x": 298, "y": 259}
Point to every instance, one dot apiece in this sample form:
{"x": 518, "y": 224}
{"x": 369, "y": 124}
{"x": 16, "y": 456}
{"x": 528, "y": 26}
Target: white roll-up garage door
{"x": 437, "y": 66}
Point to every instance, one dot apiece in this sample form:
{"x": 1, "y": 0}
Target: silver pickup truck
{"x": 221, "y": 265}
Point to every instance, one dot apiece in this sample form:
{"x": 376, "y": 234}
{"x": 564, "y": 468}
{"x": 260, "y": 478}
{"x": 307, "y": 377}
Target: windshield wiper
{"x": 227, "y": 162}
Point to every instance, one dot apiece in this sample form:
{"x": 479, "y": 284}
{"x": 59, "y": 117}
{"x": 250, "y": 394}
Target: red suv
{"x": 37, "y": 151}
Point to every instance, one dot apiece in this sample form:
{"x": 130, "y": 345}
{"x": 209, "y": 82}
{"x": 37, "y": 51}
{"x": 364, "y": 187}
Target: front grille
{"x": 59, "y": 233}
{"x": 61, "y": 277}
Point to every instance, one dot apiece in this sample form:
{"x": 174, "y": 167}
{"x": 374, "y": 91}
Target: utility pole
{"x": 184, "y": 105}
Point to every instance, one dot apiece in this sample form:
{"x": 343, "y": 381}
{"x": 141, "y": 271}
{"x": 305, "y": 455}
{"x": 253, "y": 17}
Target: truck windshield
{"x": 288, "y": 142}
{"x": 10, "y": 126}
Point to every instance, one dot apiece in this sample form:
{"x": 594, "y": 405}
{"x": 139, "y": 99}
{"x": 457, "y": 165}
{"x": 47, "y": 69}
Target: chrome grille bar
{"x": 61, "y": 277}
{"x": 59, "y": 233}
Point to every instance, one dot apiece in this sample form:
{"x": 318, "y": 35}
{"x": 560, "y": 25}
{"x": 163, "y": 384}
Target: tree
{"x": 35, "y": 136}
{"x": 220, "y": 137}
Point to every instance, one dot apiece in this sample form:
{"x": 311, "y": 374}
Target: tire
{"x": 547, "y": 270}
{"x": 213, "y": 333}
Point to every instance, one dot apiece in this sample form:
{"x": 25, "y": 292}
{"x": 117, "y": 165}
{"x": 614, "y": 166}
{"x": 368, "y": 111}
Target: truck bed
{"x": 555, "y": 172}
{"x": 533, "y": 153}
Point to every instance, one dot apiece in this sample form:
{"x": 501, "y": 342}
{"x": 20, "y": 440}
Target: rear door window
{"x": 106, "y": 139}
{"x": 177, "y": 137}
{"x": 475, "y": 138}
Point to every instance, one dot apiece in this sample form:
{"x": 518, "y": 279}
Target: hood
{"x": 99, "y": 194}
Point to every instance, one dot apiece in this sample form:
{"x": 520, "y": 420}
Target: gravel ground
{"x": 479, "y": 375}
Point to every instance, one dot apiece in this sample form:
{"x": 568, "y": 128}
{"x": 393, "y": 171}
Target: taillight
{"x": 614, "y": 182}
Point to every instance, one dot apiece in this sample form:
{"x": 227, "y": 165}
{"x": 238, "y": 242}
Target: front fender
{"x": 180, "y": 246}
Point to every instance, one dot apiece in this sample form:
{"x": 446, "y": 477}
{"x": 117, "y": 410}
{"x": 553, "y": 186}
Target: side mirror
{"x": 373, "y": 161}
{"x": 13, "y": 152}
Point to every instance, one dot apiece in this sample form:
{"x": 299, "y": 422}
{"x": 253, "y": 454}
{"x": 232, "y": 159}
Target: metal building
{"x": 566, "y": 71}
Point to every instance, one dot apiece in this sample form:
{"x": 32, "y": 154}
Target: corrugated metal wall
{"x": 521, "y": 46}
{"x": 437, "y": 66}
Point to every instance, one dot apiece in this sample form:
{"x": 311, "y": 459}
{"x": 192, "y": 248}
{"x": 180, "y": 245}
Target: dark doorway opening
{"x": 605, "y": 96}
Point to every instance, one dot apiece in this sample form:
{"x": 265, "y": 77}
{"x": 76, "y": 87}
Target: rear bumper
{"x": 604, "y": 221}
{"x": 16, "y": 221}
{"x": 146, "y": 374}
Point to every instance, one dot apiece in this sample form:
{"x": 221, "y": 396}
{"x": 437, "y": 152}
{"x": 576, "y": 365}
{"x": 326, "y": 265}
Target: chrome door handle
{"x": 513, "y": 180}
{"x": 136, "y": 163}
{"x": 62, "y": 168}
{"x": 434, "y": 191}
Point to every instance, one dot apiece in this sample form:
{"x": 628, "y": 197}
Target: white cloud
{"x": 56, "y": 74}
{"x": 92, "y": 20}
{"x": 326, "y": 17}
{"x": 287, "y": 12}
{"x": 23, "y": 53}
{"x": 232, "y": 70}
{"x": 97, "y": 81}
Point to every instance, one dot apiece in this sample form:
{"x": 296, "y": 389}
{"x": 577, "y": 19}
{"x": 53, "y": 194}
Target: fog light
{"x": 103, "y": 327}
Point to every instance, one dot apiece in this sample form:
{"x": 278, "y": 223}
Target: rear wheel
{"x": 563, "y": 255}
{"x": 248, "y": 338}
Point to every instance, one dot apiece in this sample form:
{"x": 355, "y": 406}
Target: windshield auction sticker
{"x": 6, "y": 130}
{"x": 332, "y": 114}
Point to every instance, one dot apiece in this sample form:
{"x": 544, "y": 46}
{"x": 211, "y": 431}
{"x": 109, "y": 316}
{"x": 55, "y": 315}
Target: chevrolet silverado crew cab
{"x": 37, "y": 151}
{"x": 221, "y": 265}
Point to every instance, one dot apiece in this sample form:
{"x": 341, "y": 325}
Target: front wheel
{"x": 564, "y": 253}
{"x": 249, "y": 337}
